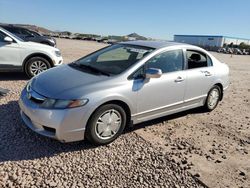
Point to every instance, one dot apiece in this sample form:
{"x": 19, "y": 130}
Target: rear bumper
{"x": 66, "y": 125}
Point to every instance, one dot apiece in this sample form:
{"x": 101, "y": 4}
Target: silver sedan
{"x": 97, "y": 96}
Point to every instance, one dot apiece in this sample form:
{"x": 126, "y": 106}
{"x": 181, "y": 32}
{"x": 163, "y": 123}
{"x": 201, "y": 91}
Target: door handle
{"x": 179, "y": 79}
{"x": 207, "y": 73}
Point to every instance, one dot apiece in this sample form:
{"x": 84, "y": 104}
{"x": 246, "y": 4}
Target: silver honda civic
{"x": 97, "y": 96}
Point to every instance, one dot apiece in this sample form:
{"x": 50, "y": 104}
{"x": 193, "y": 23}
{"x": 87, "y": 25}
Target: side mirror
{"x": 8, "y": 39}
{"x": 153, "y": 73}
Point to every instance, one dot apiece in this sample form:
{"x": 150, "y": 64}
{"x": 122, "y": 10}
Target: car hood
{"x": 42, "y": 38}
{"x": 36, "y": 45}
{"x": 65, "y": 82}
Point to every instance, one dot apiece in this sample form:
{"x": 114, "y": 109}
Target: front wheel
{"x": 36, "y": 65}
{"x": 106, "y": 124}
{"x": 213, "y": 98}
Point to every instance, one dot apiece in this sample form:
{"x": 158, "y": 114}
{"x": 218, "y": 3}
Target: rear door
{"x": 200, "y": 75}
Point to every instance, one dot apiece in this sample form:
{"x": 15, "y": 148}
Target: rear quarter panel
{"x": 221, "y": 73}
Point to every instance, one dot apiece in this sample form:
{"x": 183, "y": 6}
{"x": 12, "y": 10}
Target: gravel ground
{"x": 30, "y": 160}
{"x": 215, "y": 145}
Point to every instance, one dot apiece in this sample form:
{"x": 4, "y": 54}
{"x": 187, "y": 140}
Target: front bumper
{"x": 57, "y": 61}
{"x": 65, "y": 125}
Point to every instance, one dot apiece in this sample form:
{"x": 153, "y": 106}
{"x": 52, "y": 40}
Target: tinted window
{"x": 197, "y": 59}
{"x": 24, "y": 31}
{"x": 2, "y": 36}
{"x": 169, "y": 61}
{"x": 27, "y": 32}
{"x": 12, "y": 30}
{"x": 34, "y": 33}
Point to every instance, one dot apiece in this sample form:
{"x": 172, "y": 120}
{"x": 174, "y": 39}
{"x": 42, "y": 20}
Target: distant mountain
{"x": 132, "y": 36}
{"x": 136, "y": 36}
{"x": 34, "y": 28}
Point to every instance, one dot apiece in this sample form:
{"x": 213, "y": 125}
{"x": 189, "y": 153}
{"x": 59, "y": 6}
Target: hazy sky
{"x": 158, "y": 19}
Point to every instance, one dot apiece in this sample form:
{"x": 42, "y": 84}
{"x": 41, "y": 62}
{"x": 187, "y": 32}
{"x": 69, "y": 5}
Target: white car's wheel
{"x": 106, "y": 124}
{"x": 36, "y": 65}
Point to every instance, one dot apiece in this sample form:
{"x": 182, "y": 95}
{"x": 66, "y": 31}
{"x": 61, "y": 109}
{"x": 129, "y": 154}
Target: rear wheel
{"x": 213, "y": 98}
{"x": 36, "y": 65}
{"x": 106, "y": 124}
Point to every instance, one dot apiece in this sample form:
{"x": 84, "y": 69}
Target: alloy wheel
{"x": 37, "y": 67}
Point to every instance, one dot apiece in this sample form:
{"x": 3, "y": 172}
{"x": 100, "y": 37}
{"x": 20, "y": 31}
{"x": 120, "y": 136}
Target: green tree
{"x": 244, "y": 46}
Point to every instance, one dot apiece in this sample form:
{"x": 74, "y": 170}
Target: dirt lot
{"x": 174, "y": 151}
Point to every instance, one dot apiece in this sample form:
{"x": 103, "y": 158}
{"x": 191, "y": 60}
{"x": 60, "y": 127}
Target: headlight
{"x": 52, "y": 41}
{"x": 61, "y": 104}
{"x": 58, "y": 53}
{"x": 28, "y": 86}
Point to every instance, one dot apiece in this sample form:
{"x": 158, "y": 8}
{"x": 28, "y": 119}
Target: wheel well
{"x": 221, "y": 89}
{"x": 123, "y": 105}
{"x": 37, "y": 55}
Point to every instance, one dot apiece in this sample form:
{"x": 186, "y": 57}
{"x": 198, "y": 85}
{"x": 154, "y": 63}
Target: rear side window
{"x": 197, "y": 59}
{"x": 169, "y": 61}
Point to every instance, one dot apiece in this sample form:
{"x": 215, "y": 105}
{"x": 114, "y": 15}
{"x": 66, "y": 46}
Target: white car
{"x": 29, "y": 57}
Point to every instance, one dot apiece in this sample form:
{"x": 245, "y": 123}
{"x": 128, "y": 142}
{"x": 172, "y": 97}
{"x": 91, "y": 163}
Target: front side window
{"x": 2, "y": 36}
{"x": 114, "y": 59}
{"x": 197, "y": 59}
{"x": 168, "y": 61}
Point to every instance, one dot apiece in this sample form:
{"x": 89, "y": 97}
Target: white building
{"x": 209, "y": 40}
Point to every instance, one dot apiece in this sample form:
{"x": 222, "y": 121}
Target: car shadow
{"x": 17, "y": 142}
{"x": 6, "y": 76}
{"x": 145, "y": 124}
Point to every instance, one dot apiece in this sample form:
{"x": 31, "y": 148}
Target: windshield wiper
{"x": 94, "y": 69}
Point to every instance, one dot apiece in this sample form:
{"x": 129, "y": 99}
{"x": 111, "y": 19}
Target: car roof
{"x": 153, "y": 44}
{"x": 11, "y": 26}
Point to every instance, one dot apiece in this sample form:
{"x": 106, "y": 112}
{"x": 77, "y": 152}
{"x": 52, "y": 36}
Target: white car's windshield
{"x": 114, "y": 59}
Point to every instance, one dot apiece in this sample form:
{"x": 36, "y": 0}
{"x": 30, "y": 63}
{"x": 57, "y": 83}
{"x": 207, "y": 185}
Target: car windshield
{"x": 114, "y": 59}
{"x": 30, "y": 32}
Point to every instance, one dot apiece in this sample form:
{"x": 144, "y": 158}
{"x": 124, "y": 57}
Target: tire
{"x": 40, "y": 63}
{"x": 213, "y": 98}
{"x": 100, "y": 129}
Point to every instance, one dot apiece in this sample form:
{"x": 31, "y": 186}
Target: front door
{"x": 158, "y": 96}
{"x": 9, "y": 53}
